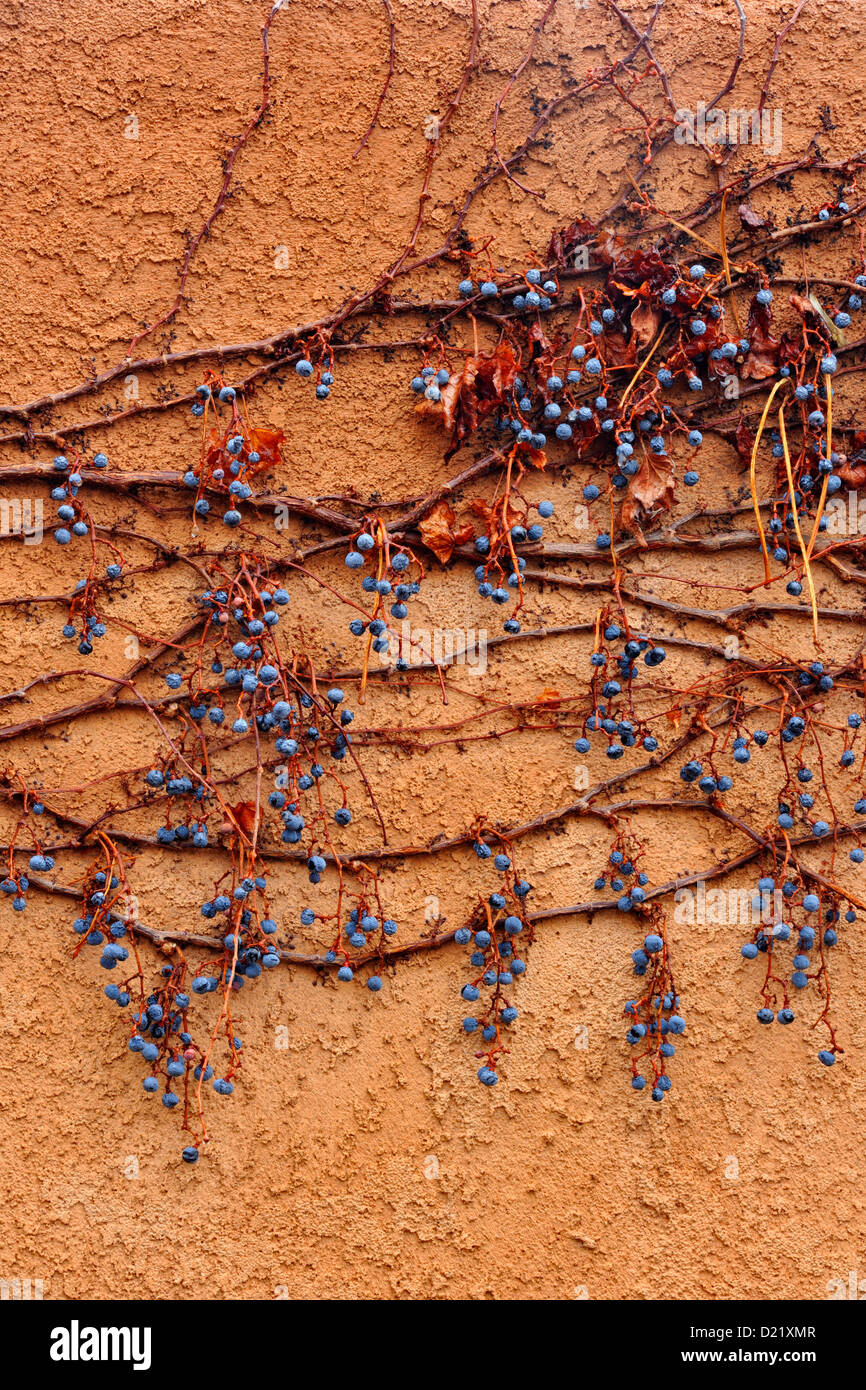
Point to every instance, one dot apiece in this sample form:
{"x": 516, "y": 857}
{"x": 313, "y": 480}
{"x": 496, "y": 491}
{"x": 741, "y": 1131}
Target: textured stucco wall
{"x": 365, "y": 1160}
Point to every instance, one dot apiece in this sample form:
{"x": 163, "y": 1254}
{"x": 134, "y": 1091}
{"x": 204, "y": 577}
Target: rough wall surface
{"x": 363, "y": 1159}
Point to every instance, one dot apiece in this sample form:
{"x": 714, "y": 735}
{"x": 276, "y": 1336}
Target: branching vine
{"x": 600, "y": 371}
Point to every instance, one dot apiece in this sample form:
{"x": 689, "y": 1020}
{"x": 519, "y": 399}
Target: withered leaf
{"x": 750, "y": 218}
{"x": 653, "y": 484}
{"x": 266, "y": 443}
{"x": 620, "y": 351}
{"x": 853, "y": 472}
{"x": 497, "y": 518}
{"x": 628, "y": 519}
{"x": 762, "y": 360}
{"x": 244, "y": 815}
{"x": 801, "y": 304}
{"x": 645, "y": 323}
{"x": 541, "y": 353}
{"x": 565, "y": 242}
{"x": 640, "y": 272}
{"x": 474, "y": 392}
{"x": 438, "y": 534}
{"x": 745, "y": 440}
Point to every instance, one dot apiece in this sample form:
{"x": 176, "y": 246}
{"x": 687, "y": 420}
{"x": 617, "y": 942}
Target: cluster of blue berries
{"x": 623, "y": 879}
{"x": 178, "y": 786}
{"x": 70, "y": 512}
{"x": 230, "y": 456}
{"x": 495, "y": 937}
{"x": 160, "y": 1027}
{"x": 622, "y": 733}
{"x": 364, "y": 930}
{"x": 161, "y": 1038}
{"x": 655, "y": 1019}
{"x": 15, "y": 885}
{"x": 248, "y": 949}
{"x": 502, "y": 568}
{"x": 814, "y": 680}
{"x": 710, "y": 782}
{"x": 574, "y": 404}
{"x": 703, "y": 336}
{"x": 83, "y": 621}
{"x": 390, "y": 586}
{"x": 324, "y": 377}
{"x": 817, "y": 931}
{"x": 100, "y": 925}
{"x": 535, "y": 294}
{"x": 254, "y": 615}
{"x": 656, "y": 1022}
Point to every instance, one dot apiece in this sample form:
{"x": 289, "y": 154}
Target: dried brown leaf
{"x": 436, "y": 531}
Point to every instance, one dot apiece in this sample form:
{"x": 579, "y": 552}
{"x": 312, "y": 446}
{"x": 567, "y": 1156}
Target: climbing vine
{"x": 576, "y": 392}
